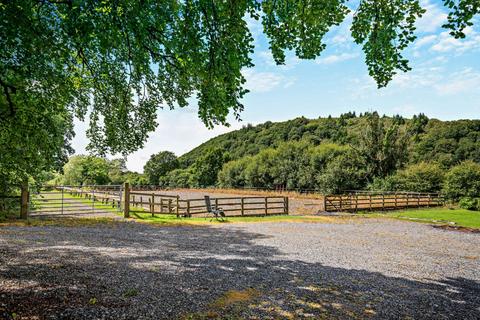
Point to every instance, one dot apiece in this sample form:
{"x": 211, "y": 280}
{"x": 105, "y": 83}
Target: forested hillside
{"x": 448, "y": 141}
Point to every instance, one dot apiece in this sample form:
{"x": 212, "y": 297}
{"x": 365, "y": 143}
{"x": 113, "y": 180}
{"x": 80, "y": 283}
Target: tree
{"x": 205, "y": 169}
{"x": 463, "y": 180}
{"x": 345, "y": 172}
{"x": 420, "y": 177}
{"x": 159, "y": 165}
{"x": 117, "y": 171}
{"x": 382, "y": 148}
{"x": 178, "y": 178}
{"x": 86, "y": 170}
{"x": 122, "y": 60}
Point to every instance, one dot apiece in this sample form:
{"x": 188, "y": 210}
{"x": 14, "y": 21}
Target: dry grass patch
{"x": 235, "y": 297}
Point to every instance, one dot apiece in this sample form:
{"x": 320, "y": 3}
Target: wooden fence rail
{"x": 381, "y": 201}
{"x": 155, "y": 203}
{"x": 237, "y": 206}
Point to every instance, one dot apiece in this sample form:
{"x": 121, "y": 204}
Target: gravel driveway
{"x": 352, "y": 269}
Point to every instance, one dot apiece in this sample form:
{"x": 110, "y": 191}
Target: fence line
{"x": 238, "y": 206}
{"x": 369, "y": 201}
{"x": 155, "y": 203}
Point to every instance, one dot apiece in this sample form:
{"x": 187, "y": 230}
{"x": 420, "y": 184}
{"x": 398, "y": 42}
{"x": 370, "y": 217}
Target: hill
{"x": 333, "y": 154}
{"x": 446, "y": 141}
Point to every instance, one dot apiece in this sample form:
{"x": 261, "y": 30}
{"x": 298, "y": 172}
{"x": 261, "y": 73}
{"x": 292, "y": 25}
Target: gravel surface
{"x": 350, "y": 269}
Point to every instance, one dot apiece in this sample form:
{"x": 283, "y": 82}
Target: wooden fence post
{"x": 188, "y": 208}
{"x": 24, "y": 201}
{"x": 285, "y": 205}
{"x": 153, "y": 205}
{"x": 242, "y": 206}
{"x": 178, "y": 206}
{"x": 266, "y": 206}
{"x": 126, "y": 200}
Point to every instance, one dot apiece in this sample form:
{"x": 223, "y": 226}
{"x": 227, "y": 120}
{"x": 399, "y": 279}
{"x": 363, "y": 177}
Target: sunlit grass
{"x": 166, "y": 219}
{"x": 460, "y": 217}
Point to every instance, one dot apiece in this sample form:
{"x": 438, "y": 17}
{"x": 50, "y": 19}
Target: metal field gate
{"x": 74, "y": 200}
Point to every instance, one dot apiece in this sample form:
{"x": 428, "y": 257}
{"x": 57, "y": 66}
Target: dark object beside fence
{"x": 217, "y": 212}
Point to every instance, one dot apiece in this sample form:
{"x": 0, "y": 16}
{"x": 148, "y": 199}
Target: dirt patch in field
{"x": 457, "y": 228}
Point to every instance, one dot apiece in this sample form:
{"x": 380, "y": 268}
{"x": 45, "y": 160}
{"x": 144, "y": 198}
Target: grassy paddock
{"x": 461, "y": 217}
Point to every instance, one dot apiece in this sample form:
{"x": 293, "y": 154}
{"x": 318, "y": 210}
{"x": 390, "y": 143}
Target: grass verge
{"x": 458, "y": 217}
{"x": 165, "y": 219}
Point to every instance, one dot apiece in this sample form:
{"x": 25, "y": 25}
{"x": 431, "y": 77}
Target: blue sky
{"x": 443, "y": 84}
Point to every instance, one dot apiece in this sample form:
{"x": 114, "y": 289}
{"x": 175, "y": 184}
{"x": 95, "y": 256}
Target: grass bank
{"x": 459, "y": 217}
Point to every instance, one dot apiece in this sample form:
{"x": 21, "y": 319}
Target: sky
{"x": 443, "y": 84}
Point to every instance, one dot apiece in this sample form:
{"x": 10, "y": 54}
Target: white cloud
{"x": 334, "y": 58}
{"x": 290, "y": 62}
{"x": 463, "y": 81}
{"x": 260, "y": 82}
{"x": 341, "y": 34}
{"x": 433, "y": 19}
{"x": 425, "y": 40}
{"x": 446, "y": 43}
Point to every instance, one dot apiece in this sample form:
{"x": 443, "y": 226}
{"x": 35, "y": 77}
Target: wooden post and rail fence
{"x": 371, "y": 201}
{"x": 156, "y": 203}
{"x": 128, "y": 201}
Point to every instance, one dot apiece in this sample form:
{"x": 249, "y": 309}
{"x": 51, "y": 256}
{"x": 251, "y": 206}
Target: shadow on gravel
{"x": 133, "y": 271}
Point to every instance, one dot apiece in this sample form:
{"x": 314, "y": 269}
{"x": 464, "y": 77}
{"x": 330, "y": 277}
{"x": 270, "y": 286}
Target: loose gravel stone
{"x": 356, "y": 268}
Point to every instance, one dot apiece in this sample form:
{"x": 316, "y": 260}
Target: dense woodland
{"x": 331, "y": 155}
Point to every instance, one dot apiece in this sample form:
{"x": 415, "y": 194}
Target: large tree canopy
{"x": 122, "y": 60}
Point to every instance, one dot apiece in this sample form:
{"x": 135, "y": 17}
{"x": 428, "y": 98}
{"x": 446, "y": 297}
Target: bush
{"x": 178, "y": 178}
{"x": 345, "y": 172}
{"x": 420, "y": 177}
{"x": 463, "y": 180}
{"x": 232, "y": 174}
{"x": 470, "y": 203}
{"x": 388, "y": 183}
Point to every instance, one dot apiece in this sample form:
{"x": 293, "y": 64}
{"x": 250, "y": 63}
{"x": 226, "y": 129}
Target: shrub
{"x": 463, "y": 180}
{"x": 388, "y": 183}
{"x": 470, "y": 203}
{"x": 342, "y": 173}
{"x": 232, "y": 174}
{"x": 420, "y": 177}
{"x": 178, "y": 178}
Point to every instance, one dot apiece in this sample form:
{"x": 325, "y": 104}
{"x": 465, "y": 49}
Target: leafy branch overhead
{"x": 119, "y": 61}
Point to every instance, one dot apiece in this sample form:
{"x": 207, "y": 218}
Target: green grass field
{"x": 461, "y": 217}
